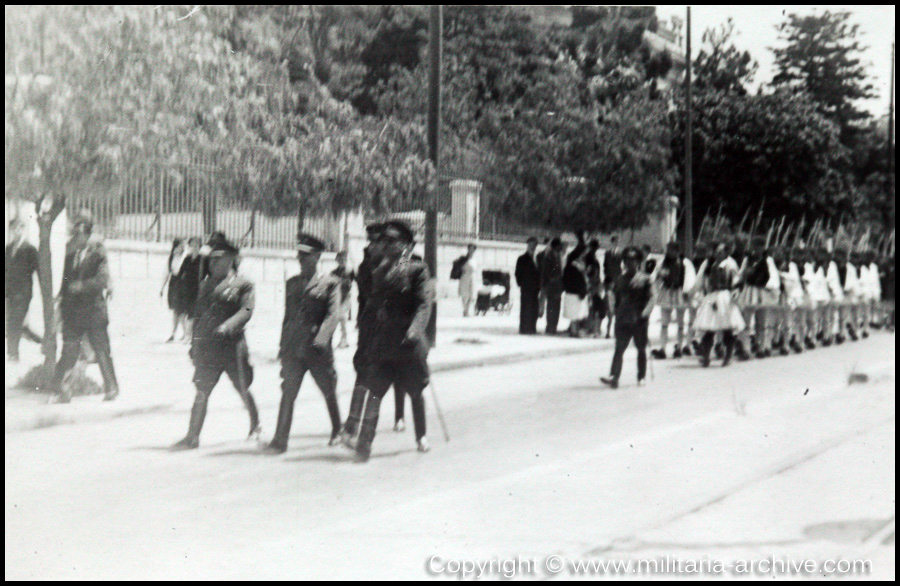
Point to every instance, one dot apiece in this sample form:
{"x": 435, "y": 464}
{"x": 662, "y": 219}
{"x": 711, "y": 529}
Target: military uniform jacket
{"x": 228, "y": 303}
{"x": 400, "y": 306}
{"x": 311, "y": 313}
{"x": 89, "y": 267}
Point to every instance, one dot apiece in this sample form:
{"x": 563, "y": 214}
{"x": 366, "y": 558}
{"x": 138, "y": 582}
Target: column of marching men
{"x": 750, "y": 301}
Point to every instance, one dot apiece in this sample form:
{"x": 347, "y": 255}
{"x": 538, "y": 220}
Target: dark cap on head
{"x": 309, "y": 244}
{"x": 400, "y": 230}
{"x": 220, "y": 246}
{"x": 374, "y": 229}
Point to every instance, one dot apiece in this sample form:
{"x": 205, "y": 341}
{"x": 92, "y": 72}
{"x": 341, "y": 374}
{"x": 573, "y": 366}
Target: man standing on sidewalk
{"x": 634, "y": 302}
{"x": 528, "y": 278}
{"x": 224, "y": 306}
{"x": 612, "y": 268}
{"x": 85, "y": 283}
{"x": 552, "y": 282}
{"x": 21, "y": 265}
{"x": 397, "y": 352}
{"x": 311, "y": 313}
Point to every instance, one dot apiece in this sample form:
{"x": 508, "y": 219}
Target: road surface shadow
{"x": 346, "y": 456}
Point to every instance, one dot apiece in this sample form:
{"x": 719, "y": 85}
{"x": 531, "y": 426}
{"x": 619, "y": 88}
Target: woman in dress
{"x": 176, "y": 296}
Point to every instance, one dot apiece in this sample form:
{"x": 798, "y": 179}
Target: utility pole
{"x": 688, "y": 155}
{"x": 890, "y": 144}
{"x": 434, "y": 123}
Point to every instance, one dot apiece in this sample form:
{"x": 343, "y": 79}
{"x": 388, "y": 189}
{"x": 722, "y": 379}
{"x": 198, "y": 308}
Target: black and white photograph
{"x": 449, "y": 292}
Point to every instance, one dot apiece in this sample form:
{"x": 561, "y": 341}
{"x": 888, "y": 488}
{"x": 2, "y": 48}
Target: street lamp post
{"x": 434, "y": 120}
{"x": 688, "y": 156}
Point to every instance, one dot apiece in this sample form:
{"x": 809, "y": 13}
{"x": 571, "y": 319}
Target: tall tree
{"x": 776, "y": 149}
{"x": 822, "y": 58}
{"x": 720, "y": 66}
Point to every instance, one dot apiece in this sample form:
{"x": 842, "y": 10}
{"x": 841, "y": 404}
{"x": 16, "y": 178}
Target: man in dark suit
{"x": 528, "y": 278}
{"x": 83, "y": 294}
{"x": 311, "y": 313}
{"x": 397, "y": 350}
{"x": 634, "y": 302}
{"x": 21, "y": 264}
{"x": 612, "y": 268}
{"x": 552, "y": 282}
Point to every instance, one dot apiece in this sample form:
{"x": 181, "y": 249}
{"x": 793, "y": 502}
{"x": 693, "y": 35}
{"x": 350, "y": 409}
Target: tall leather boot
{"x": 418, "y": 409}
{"x": 198, "y": 415}
{"x": 334, "y": 412}
{"x": 255, "y": 428}
{"x": 108, "y": 372}
{"x": 283, "y": 427}
{"x": 357, "y": 402}
{"x": 367, "y": 429}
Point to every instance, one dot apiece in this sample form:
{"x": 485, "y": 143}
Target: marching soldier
{"x": 838, "y": 282}
{"x": 887, "y": 291}
{"x": 876, "y": 317}
{"x": 795, "y": 303}
{"x": 311, "y": 313}
{"x": 758, "y": 299}
{"x": 224, "y": 306}
{"x": 702, "y": 260}
{"x": 676, "y": 278}
{"x": 718, "y": 313}
{"x": 817, "y": 291}
{"x": 863, "y": 291}
{"x": 83, "y": 295}
{"x": 397, "y": 351}
{"x": 371, "y": 260}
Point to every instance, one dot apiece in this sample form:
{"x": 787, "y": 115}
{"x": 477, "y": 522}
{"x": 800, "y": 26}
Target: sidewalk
{"x": 156, "y": 377}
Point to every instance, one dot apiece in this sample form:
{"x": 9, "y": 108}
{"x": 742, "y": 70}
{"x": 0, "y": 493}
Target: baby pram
{"x": 494, "y": 293}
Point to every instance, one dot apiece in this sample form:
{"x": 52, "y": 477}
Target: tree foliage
{"x": 821, "y": 58}
{"x": 720, "y": 66}
{"x": 771, "y": 152}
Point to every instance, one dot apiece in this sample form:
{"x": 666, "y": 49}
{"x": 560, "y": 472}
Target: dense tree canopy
{"x": 319, "y": 109}
{"x": 821, "y": 58}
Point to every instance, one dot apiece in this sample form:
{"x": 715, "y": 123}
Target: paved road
{"x": 774, "y": 458}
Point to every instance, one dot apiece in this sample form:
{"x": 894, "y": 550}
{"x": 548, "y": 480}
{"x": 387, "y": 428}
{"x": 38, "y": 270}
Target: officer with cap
{"x": 311, "y": 314}
{"x": 397, "y": 347}
{"x": 370, "y": 260}
{"x": 224, "y": 306}
{"x": 372, "y": 257}
{"x": 83, "y": 295}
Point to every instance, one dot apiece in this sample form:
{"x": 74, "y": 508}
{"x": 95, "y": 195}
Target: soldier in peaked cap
{"x": 224, "y": 306}
{"x": 370, "y": 260}
{"x": 397, "y": 349}
{"x": 372, "y": 257}
{"x": 311, "y": 314}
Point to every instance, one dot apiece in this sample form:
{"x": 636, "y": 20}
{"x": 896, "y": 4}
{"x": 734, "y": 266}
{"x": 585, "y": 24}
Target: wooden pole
{"x": 434, "y": 123}
{"x": 688, "y": 155}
